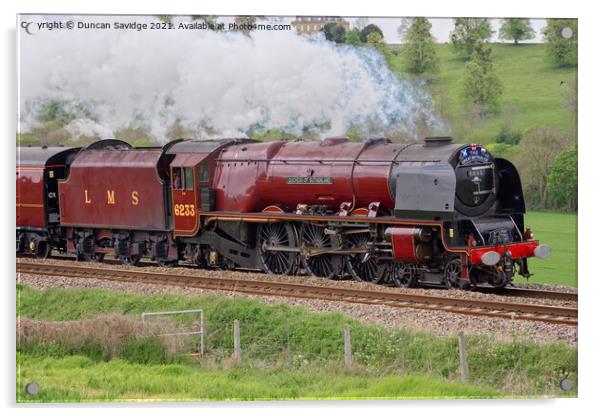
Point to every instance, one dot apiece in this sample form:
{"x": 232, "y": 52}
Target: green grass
{"x": 531, "y": 87}
{"x": 78, "y": 378}
{"x": 519, "y": 367}
{"x": 559, "y": 231}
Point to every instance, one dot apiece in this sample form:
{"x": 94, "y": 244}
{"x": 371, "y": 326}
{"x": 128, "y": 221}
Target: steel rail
{"x": 507, "y": 310}
{"x": 530, "y": 293}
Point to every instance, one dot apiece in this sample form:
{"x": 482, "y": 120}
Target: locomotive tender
{"x": 431, "y": 213}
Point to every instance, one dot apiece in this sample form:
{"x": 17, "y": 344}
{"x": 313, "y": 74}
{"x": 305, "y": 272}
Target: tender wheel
{"x": 361, "y": 266}
{"x": 278, "y": 235}
{"x": 321, "y": 265}
{"x": 131, "y": 260}
{"x": 401, "y": 274}
{"x": 453, "y": 275}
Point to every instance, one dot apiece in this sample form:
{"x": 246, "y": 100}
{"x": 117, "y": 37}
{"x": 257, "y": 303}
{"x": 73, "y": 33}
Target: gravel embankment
{"x": 439, "y": 323}
{"x": 316, "y": 281}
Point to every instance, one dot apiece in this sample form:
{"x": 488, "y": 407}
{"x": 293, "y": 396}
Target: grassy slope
{"x": 518, "y": 367}
{"x": 531, "y": 86}
{"x": 559, "y": 231}
{"x": 78, "y": 378}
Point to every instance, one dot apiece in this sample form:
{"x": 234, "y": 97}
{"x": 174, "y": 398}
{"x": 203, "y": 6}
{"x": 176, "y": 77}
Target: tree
{"x": 353, "y": 37}
{"x": 419, "y": 50}
{"x": 560, "y": 36}
{"x": 334, "y": 32}
{"x": 468, "y": 31}
{"x": 374, "y": 38}
{"x": 516, "y": 29}
{"x": 365, "y": 32}
{"x": 481, "y": 84}
{"x": 403, "y": 27}
{"x": 360, "y": 23}
{"x": 536, "y": 152}
{"x": 562, "y": 180}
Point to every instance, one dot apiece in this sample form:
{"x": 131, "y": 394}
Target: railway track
{"x": 530, "y": 293}
{"x": 507, "y": 310}
{"x": 507, "y": 291}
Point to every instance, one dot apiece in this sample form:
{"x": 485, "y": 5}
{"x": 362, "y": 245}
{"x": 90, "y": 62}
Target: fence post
{"x": 463, "y": 362}
{"x": 202, "y": 329}
{"x": 347, "y": 341}
{"x": 289, "y": 357}
{"x": 237, "y": 341}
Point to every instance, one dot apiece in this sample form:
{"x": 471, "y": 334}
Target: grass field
{"x": 387, "y": 363}
{"x": 78, "y": 378}
{"x": 533, "y": 94}
{"x": 559, "y": 231}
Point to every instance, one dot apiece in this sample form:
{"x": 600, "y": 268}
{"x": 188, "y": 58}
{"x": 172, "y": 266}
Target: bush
{"x": 508, "y": 136}
{"x": 371, "y": 28}
{"x": 562, "y": 180}
{"x": 334, "y": 32}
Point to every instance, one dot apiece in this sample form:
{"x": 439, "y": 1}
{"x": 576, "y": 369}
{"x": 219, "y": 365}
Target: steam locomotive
{"x": 435, "y": 212}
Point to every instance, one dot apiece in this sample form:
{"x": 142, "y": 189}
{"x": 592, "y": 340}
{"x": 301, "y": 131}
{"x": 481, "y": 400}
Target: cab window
{"x": 204, "y": 172}
{"x": 188, "y": 176}
{"x": 177, "y": 181}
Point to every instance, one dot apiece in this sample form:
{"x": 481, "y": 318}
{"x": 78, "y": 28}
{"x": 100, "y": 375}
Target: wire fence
{"x": 465, "y": 359}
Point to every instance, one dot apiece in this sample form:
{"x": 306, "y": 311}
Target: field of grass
{"x": 79, "y": 378}
{"x": 533, "y": 94}
{"x": 559, "y": 231}
{"x": 387, "y": 363}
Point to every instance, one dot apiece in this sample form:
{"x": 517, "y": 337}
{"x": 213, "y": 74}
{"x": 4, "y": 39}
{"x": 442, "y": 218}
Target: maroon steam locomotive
{"x": 433, "y": 213}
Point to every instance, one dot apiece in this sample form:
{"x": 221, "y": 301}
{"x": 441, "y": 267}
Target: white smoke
{"x": 220, "y": 83}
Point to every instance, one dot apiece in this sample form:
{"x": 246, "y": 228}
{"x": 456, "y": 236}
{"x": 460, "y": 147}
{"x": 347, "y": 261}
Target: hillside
{"x": 533, "y": 94}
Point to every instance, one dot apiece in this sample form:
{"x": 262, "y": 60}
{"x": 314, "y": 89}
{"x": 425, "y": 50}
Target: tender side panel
{"x": 114, "y": 189}
{"x": 30, "y": 197}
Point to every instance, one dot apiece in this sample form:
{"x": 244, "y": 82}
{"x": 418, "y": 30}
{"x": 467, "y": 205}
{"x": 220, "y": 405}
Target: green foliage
{"x": 468, "y": 31}
{"x": 374, "y": 38}
{"x": 535, "y": 154}
{"x": 419, "y": 49}
{"x": 148, "y": 350}
{"x": 482, "y": 86}
{"x": 353, "y": 37}
{"x": 562, "y": 51}
{"x": 61, "y": 112}
{"x": 508, "y": 136}
{"x": 334, "y": 32}
{"x": 366, "y": 31}
{"x": 28, "y": 139}
{"x": 77, "y": 378}
{"x": 562, "y": 180}
{"x": 516, "y": 29}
